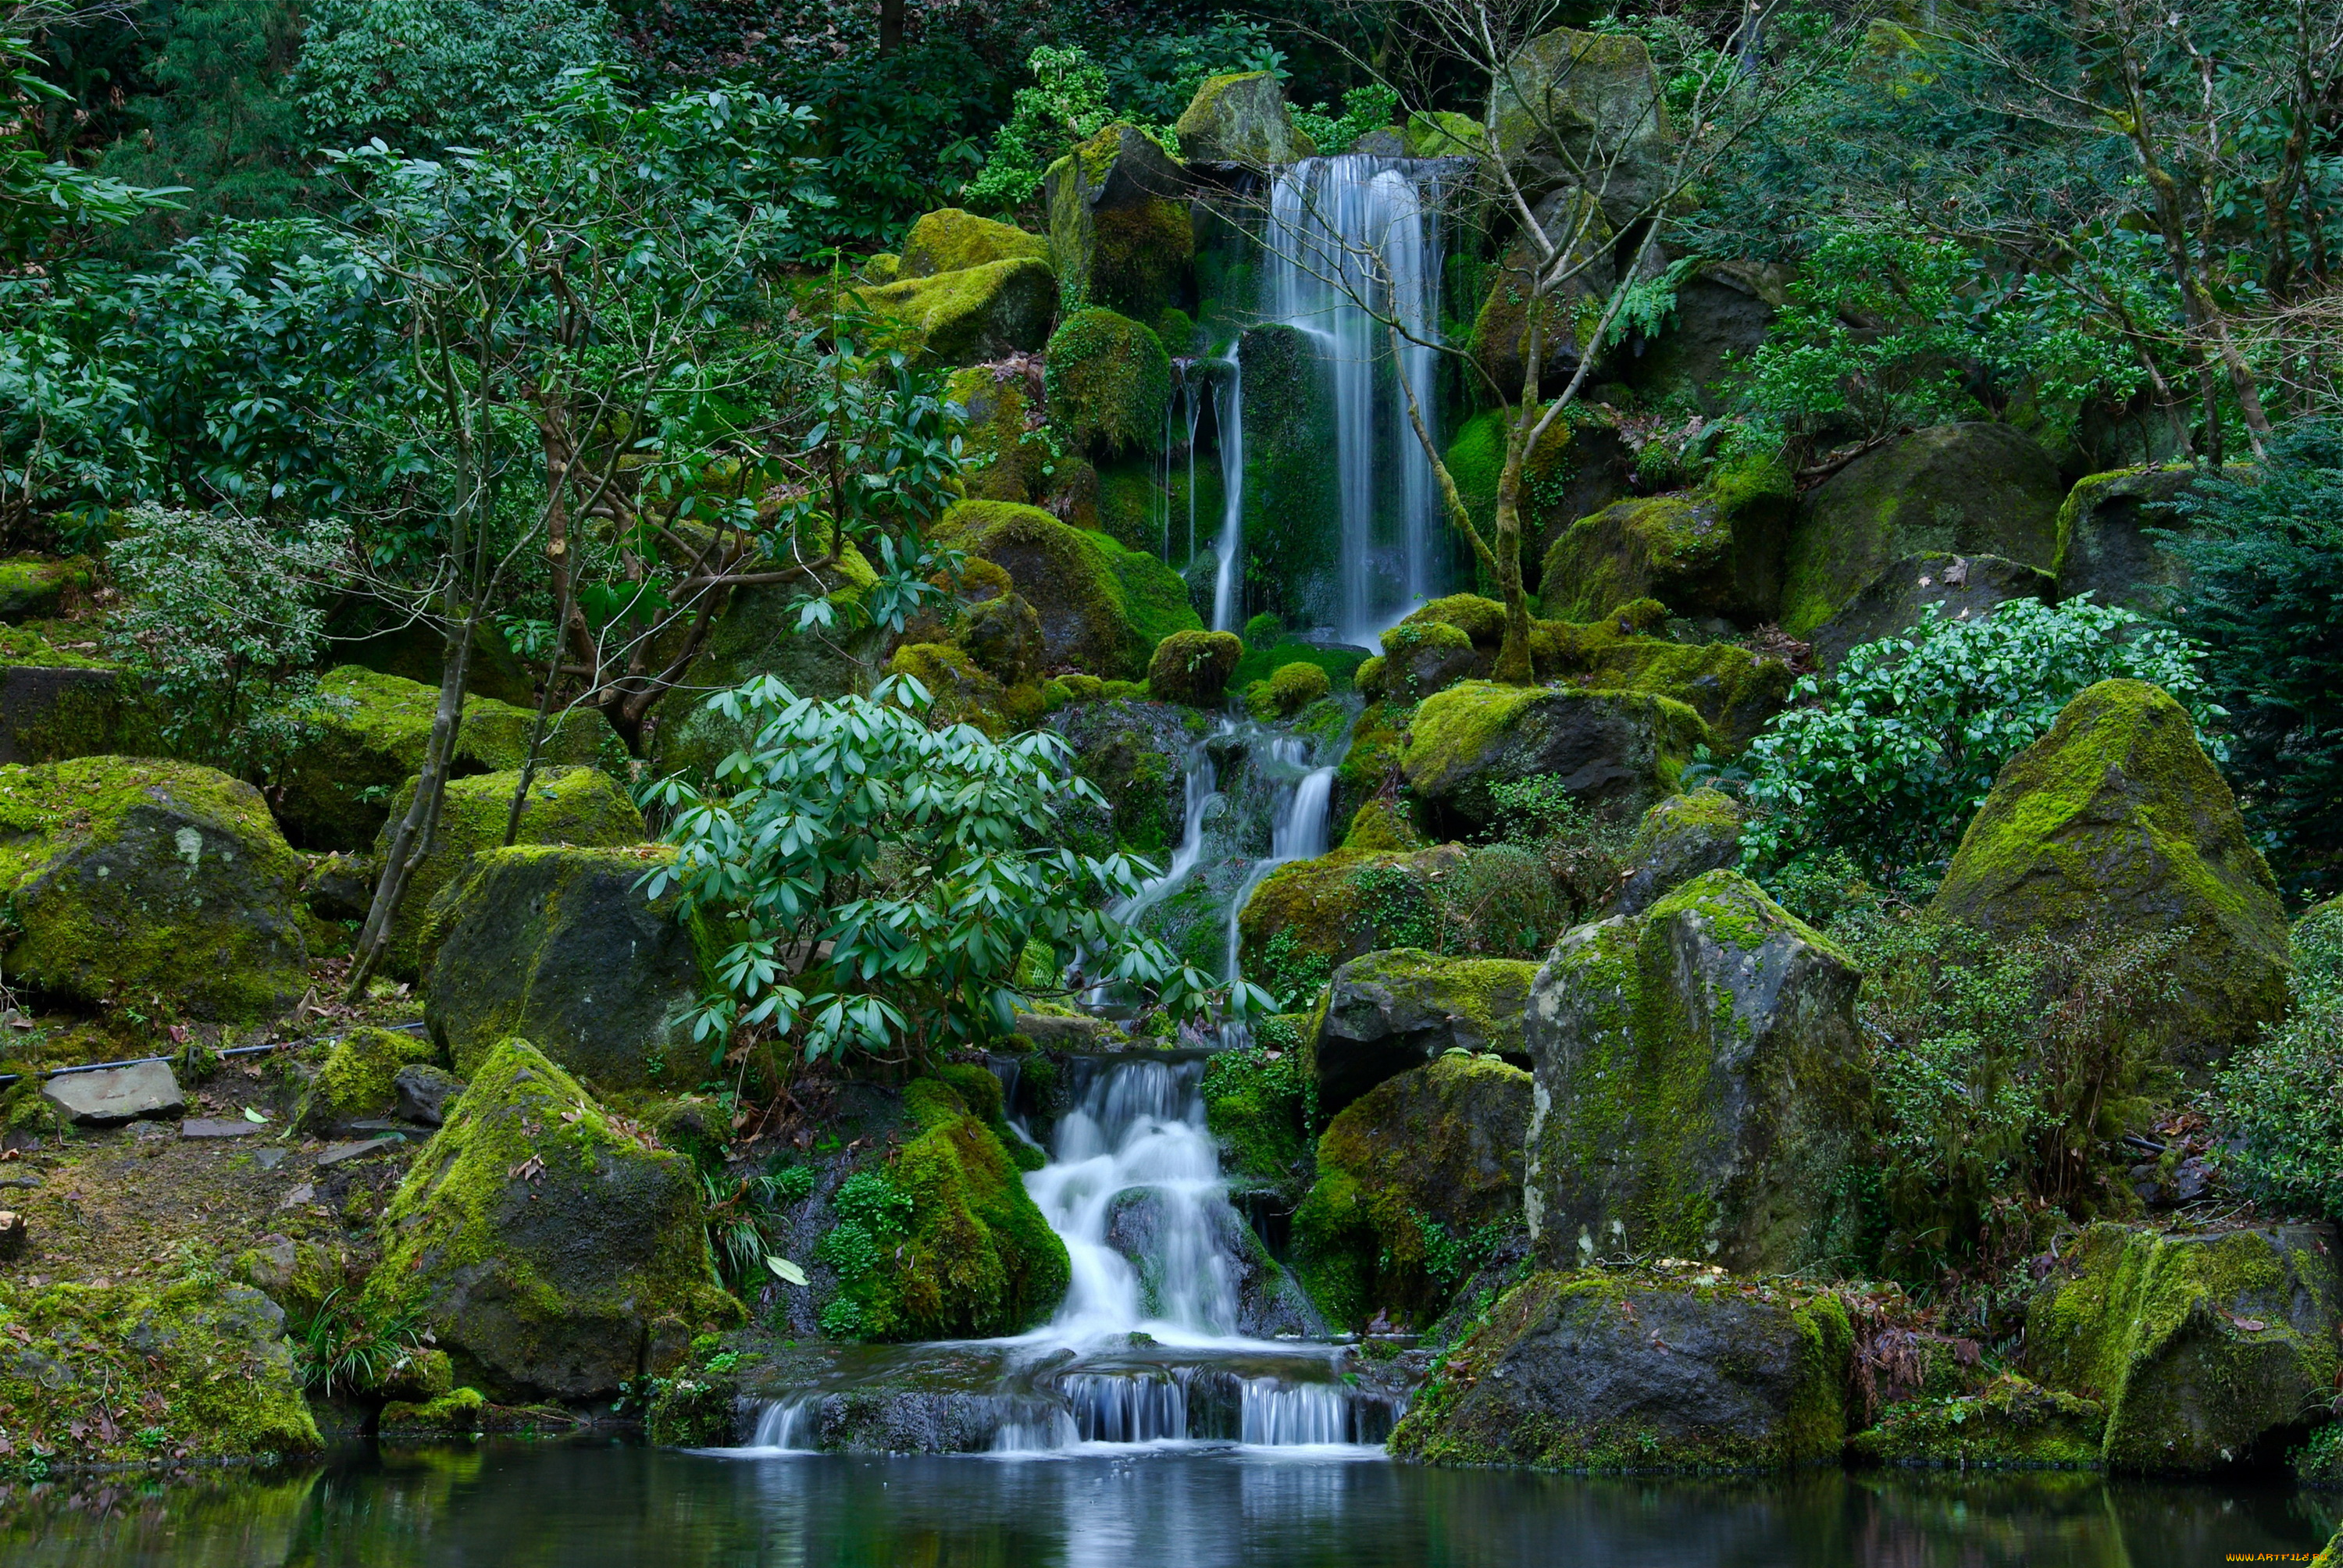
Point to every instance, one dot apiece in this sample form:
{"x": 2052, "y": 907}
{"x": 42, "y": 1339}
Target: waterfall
{"x": 1350, "y": 238}
{"x": 1228, "y": 414}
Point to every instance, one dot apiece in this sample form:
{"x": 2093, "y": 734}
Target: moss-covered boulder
{"x": 944, "y": 1242}
{"x": 1565, "y": 317}
{"x": 2208, "y": 1350}
{"x": 1641, "y": 1370}
{"x": 1392, "y": 1012}
{"x": 2103, "y": 549}
{"x": 950, "y": 240}
{"x": 383, "y": 638}
{"x": 358, "y": 1078}
{"x": 579, "y": 806}
{"x": 1136, "y": 753}
{"x": 2114, "y": 827}
{"x": 1240, "y": 118}
{"x": 963, "y": 690}
{"x": 33, "y": 587}
{"x": 1003, "y": 634}
{"x": 1967, "y": 489}
{"x": 1108, "y": 383}
{"x": 125, "y": 1375}
{"x": 1103, "y": 607}
{"x": 370, "y": 739}
{"x": 1001, "y": 455}
{"x": 549, "y": 1248}
{"x": 1293, "y": 687}
{"x": 1193, "y": 667}
{"x": 1577, "y": 468}
{"x": 1734, "y": 690}
{"x": 1423, "y": 657}
{"x": 1256, "y": 1102}
{"x": 1443, "y": 133}
{"x": 2010, "y": 1424}
{"x": 560, "y": 946}
{"x": 1713, "y": 552}
{"x": 1702, "y": 1089}
{"x": 1308, "y": 918}
{"x": 1418, "y": 1181}
{"x": 1678, "y": 839}
{"x": 1568, "y": 102}
{"x": 1119, "y": 226}
{"x": 128, "y": 878}
{"x": 1612, "y": 750}
{"x": 1894, "y": 601}
{"x": 1293, "y": 506}
{"x": 53, "y": 707}
{"x": 1722, "y": 314}
{"x": 972, "y": 315}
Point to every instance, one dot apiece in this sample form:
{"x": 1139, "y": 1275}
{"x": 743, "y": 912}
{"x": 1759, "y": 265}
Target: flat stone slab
{"x": 339, "y": 1153}
{"x": 116, "y": 1095}
{"x": 219, "y": 1127}
{"x": 267, "y": 1159}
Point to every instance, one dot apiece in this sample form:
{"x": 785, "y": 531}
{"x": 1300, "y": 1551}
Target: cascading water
{"x": 1352, "y": 240}
{"x": 1228, "y": 416}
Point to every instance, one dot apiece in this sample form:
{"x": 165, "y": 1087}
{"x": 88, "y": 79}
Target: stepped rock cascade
{"x": 1353, "y": 241}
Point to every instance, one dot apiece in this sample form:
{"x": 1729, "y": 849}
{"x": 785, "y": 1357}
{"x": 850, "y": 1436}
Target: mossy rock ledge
{"x": 552, "y": 1250}
{"x": 370, "y": 738}
{"x": 2116, "y": 826}
{"x": 2010, "y": 1423}
{"x": 1418, "y": 1179}
{"x": 1714, "y": 552}
{"x": 566, "y": 805}
{"x": 950, "y": 240}
{"x": 1392, "y": 1012}
{"x": 1702, "y": 1089}
{"x": 2207, "y": 1350}
{"x": 563, "y": 947}
{"x": 132, "y": 877}
{"x": 1103, "y": 607}
{"x": 1624, "y": 1371}
{"x": 1611, "y": 750}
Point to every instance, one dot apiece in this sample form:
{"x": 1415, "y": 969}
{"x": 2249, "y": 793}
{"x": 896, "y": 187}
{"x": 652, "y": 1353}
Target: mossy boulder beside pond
{"x": 2209, "y": 1350}
{"x": 1401, "y": 1009}
{"x": 2115, "y": 827}
{"x": 551, "y": 1249}
{"x": 370, "y": 738}
{"x": 1103, "y": 607}
{"x": 1681, "y": 1369}
{"x": 1969, "y": 490}
{"x": 131, "y": 878}
{"x": 950, "y": 240}
{"x": 1703, "y": 1092}
{"x": 2010, "y": 1423}
{"x": 583, "y": 807}
{"x": 1611, "y": 750}
{"x": 970, "y": 315}
{"x": 562, "y": 947}
{"x": 1418, "y": 1181}
{"x": 125, "y": 1374}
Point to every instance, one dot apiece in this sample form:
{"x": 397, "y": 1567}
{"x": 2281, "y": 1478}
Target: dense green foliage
{"x": 1887, "y": 758}
{"x": 2263, "y": 595}
{"x": 2284, "y": 1095}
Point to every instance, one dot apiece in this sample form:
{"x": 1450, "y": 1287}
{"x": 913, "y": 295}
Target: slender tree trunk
{"x": 890, "y": 26}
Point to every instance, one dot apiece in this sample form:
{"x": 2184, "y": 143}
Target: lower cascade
{"x": 1178, "y": 1326}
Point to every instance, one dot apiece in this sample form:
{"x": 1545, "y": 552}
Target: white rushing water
{"x": 1350, "y": 239}
{"x": 1228, "y": 416}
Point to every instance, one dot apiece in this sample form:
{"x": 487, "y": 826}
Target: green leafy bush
{"x": 2282, "y": 1097}
{"x": 1066, "y": 103}
{"x": 1887, "y": 758}
{"x": 2264, "y": 596}
{"x": 1364, "y": 109}
{"x": 225, "y": 622}
{"x": 426, "y": 74}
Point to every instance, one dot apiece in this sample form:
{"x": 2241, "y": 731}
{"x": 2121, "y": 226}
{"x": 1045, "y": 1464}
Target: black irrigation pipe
{"x": 9, "y": 1077}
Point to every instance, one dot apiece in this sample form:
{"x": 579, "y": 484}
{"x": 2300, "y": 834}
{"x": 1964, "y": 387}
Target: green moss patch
{"x": 2009, "y": 1424}
{"x": 1103, "y": 607}
{"x": 950, "y": 240}
{"x": 1109, "y": 382}
{"x": 970, "y": 315}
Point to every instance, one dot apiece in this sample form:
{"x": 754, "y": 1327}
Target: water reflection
{"x": 581, "y": 1505}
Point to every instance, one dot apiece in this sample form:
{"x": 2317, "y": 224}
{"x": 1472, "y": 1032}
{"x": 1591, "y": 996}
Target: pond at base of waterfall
{"x": 591, "y": 1504}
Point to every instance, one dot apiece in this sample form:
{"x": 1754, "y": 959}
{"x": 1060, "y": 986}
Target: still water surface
{"x": 576, "y": 1505}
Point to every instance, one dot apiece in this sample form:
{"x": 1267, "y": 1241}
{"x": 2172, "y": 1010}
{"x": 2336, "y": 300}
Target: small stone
{"x": 116, "y": 1095}
{"x": 298, "y": 1196}
{"x": 13, "y": 1234}
{"x": 216, "y": 1127}
{"x": 341, "y": 1153}
{"x": 268, "y": 1159}
{"x": 426, "y": 1093}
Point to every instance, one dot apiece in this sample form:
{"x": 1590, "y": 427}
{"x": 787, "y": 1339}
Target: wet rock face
{"x": 1629, "y": 1371}
{"x": 1392, "y": 1012}
{"x": 1892, "y": 602}
{"x": 1136, "y": 753}
{"x": 1140, "y": 1225}
{"x": 547, "y": 1246}
{"x": 560, "y": 946}
{"x": 2115, "y": 827}
{"x": 2207, "y": 1350}
{"x": 1700, "y": 1090}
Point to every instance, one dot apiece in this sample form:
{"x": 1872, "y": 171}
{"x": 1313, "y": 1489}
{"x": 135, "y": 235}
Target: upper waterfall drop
{"x": 1352, "y": 245}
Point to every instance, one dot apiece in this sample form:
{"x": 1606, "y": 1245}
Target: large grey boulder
{"x": 1569, "y": 102}
{"x": 2103, "y": 549}
{"x": 1894, "y": 601}
{"x": 1701, "y": 1089}
{"x": 1120, "y": 231}
{"x": 1393, "y": 1011}
{"x": 1241, "y": 118}
{"x": 1613, "y": 751}
{"x": 2209, "y": 1350}
{"x": 2116, "y": 828}
{"x": 1681, "y": 1369}
{"x": 1963, "y": 489}
{"x": 561, "y": 946}
{"x": 115, "y": 1095}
